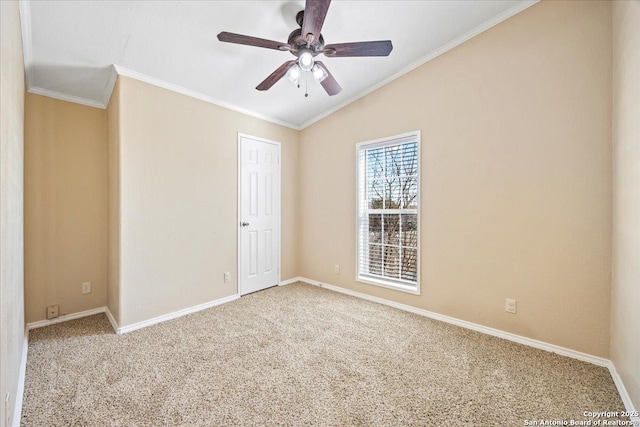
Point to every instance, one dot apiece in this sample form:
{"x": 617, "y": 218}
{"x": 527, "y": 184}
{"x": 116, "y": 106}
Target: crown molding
{"x": 64, "y": 97}
{"x": 430, "y": 56}
{"x": 25, "y": 17}
{"x": 25, "y": 24}
{"x": 111, "y": 83}
{"x": 123, "y": 71}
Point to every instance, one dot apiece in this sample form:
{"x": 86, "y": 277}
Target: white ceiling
{"x": 71, "y": 47}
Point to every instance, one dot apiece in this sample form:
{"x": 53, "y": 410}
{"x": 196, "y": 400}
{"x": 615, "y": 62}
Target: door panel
{"x": 259, "y": 215}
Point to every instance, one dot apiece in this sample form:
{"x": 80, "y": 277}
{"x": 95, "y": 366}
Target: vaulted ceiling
{"x": 73, "y": 49}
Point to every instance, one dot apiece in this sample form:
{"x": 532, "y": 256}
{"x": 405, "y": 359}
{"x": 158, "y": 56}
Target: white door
{"x": 259, "y": 214}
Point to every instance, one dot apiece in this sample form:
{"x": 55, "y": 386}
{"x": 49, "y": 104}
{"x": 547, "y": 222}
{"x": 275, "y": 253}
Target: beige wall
{"x": 516, "y": 184}
{"x": 516, "y": 177}
{"x": 12, "y": 327}
{"x": 625, "y": 304}
{"x": 113, "y": 204}
{"x": 178, "y": 199}
{"x": 65, "y": 180}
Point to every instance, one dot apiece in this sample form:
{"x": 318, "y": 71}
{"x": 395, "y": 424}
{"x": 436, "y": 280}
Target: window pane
{"x": 375, "y": 259}
{"x": 375, "y": 163}
{"x": 388, "y": 229}
{"x": 409, "y": 265}
{"x": 393, "y": 160}
{"x": 410, "y": 230}
{"x": 391, "y": 262}
{"x": 375, "y": 228}
{"x": 409, "y": 193}
{"x": 376, "y": 190}
{"x": 391, "y": 229}
{"x": 392, "y": 193}
{"x": 410, "y": 159}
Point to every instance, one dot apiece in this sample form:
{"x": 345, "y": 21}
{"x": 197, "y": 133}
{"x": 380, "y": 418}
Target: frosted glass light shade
{"x": 305, "y": 60}
{"x": 319, "y": 74}
{"x": 293, "y": 74}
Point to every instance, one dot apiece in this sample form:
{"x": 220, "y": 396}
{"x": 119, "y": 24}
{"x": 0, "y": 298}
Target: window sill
{"x": 390, "y": 285}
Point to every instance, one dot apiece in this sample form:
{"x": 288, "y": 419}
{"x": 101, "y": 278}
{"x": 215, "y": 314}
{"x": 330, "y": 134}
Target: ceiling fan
{"x": 305, "y": 43}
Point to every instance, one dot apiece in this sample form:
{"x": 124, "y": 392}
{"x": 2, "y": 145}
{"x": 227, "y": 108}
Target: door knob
{"x": 244, "y": 224}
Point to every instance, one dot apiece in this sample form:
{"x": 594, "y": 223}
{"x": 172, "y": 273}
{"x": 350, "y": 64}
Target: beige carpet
{"x": 300, "y": 355}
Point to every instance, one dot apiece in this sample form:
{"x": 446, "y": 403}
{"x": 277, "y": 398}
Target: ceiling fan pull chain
{"x": 306, "y": 84}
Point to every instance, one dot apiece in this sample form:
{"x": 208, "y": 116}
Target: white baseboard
{"x": 624, "y": 395}
{"x": 124, "y": 329}
{"x": 563, "y": 351}
{"x": 17, "y": 409}
{"x": 112, "y": 320}
{"x": 290, "y": 281}
{"x": 66, "y": 317}
{"x": 470, "y": 325}
{"x": 175, "y": 314}
{"x": 626, "y": 399}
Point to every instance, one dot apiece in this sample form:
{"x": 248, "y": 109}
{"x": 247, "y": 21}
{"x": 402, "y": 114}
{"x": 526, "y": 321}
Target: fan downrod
{"x": 297, "y": 42}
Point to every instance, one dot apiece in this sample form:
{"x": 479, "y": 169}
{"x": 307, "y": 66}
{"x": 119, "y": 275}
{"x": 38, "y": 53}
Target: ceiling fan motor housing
{"x": 297, "y": 42}
{"x": 300, "y": 17}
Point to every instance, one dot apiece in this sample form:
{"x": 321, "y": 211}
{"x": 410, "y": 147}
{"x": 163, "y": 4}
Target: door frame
{"x": 239, "y": 207}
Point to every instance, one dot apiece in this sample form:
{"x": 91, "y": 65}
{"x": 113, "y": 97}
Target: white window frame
{"x": 397, "y": 284}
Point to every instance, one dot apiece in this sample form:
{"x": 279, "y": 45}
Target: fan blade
{"x": 376, "y": 48}
{"x": 275, "y": 76}
{"x": 250, "y": 41}
{"x": 314, "y": 13}
{"x": 329, "y": 83}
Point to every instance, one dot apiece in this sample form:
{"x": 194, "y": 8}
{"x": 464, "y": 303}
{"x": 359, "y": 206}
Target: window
{"x": 388, "y": 251}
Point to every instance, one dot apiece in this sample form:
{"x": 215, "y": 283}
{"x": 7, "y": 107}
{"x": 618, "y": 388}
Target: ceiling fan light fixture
{"x": 293, "y": 74}
{"x": 319, "y": 74}
{"x": 305, "y": 43}
{"x": 305, "y": 60}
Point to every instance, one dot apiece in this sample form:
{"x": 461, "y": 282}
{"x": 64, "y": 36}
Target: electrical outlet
{"x": 86, "y": 288}
{"x": 53, "y": 311}
{"x": 336, "y": 269}
{"x": 227, "y": 277}
{"x": 510, "y": 305}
